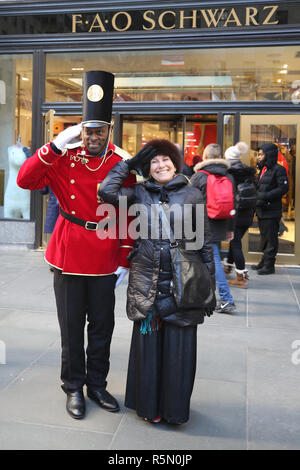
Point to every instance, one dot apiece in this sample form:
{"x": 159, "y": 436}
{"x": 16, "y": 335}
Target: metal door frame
{"x": 245, "y": 131}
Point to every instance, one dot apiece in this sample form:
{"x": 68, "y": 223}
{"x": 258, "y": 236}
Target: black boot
{"x": 266, "y": 270}
{"x": 258, "y": 266}
{"x": 76, "y": 404}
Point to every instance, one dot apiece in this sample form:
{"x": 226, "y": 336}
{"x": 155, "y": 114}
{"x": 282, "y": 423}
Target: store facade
{"x": 192, "y": 72}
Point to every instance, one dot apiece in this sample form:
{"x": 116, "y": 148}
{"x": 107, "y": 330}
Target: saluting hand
{"x": 67, "y": 135}
{"x": 141, "y": 158}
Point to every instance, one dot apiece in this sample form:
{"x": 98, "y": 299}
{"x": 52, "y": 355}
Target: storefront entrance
{"x": 191, "y": 132}
{"x": 284, "y": 131}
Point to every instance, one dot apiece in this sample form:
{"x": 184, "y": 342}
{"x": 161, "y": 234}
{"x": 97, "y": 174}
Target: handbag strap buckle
{"x": 173, "y": 244}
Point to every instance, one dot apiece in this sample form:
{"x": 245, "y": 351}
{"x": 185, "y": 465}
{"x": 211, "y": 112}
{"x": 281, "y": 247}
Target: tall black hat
{"x": 98, "y": 89}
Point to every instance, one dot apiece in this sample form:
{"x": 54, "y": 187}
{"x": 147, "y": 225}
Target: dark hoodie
{"x": 272, "y": 185}
{"x": 241, "y": 173}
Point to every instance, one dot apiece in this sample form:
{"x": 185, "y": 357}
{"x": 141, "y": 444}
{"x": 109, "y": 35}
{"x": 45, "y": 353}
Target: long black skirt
{"x": 161, "y": 372}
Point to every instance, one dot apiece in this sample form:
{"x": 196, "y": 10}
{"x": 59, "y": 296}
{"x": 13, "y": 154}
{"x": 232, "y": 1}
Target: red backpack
{"x": 219, "y": 197}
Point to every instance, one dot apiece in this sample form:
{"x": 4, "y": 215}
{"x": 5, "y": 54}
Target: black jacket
{"x": 150, "y": 270}
{"x": 219, "y": 228}
{"x": 241, "y": 173}
{"x": 271, "y": 186}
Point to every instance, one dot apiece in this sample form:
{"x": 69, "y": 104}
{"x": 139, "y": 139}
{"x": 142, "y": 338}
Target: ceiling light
{"x": 283, "y": 71}
{"x": 78, "y": 69}
{"x": 25, "y": 79}
{"x": 279, "y": 80}
{"x": 285, "y": 66}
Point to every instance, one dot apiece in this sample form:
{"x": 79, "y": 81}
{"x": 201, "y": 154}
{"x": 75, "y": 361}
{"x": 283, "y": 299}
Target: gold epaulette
{"x": 122, "y": 153}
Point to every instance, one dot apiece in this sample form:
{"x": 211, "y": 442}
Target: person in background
{"x": 221, "y": 229}
{"x": 243, "y": 218}
{"x": 52, "y": 210}
{"x": 272, "y": 184}
{"x": 186, "y": 170}
{"x": 196, "y": 159}
{"x": 162, "y": 362}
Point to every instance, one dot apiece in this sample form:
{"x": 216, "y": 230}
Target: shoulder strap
{"x": 204, "y": 171}
{"x": 166, "y": 225}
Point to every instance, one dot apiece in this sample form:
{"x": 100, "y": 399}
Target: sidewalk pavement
{"x": 246, "y": 392}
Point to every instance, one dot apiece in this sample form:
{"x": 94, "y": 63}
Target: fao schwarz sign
{"x": 269, "y": 15}
{"x": 178, "y": 19}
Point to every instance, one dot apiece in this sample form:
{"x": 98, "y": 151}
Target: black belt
{"x": 86, "y": 223}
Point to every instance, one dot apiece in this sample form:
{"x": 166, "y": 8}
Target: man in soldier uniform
{"x": 86, "y": 266}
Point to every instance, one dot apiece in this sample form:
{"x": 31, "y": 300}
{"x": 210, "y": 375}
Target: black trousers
{"x": 161, "y": 372}
{"x": 235, "y": 253}
{"x": 269, "y": 240}
{"x": 81, "y": 298}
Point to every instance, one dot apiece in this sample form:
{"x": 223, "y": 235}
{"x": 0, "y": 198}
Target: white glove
{"x": 67, "y": 135}
{"x": 121, "y": 273}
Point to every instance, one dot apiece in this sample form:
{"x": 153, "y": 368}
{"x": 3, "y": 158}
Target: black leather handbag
{"x": 192, "y": 285}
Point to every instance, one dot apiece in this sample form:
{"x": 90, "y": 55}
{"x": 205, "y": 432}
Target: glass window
{"x": 15, "y": 132}
{"x": 227, "y": 74}
{"x": 137, "y": 131}
{"x": 200, "y": 130}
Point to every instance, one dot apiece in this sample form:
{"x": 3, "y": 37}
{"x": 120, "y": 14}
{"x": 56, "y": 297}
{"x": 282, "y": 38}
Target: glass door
{"x": 284, "y": 131}
{"x": 192, "y": 133}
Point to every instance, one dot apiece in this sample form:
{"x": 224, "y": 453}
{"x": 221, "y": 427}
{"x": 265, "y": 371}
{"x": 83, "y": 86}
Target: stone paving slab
{"x": 246, "y": 391}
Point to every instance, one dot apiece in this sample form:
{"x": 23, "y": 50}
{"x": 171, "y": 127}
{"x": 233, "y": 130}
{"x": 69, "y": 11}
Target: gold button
{"x": 73, "y": 212}
{"x": 72, "y": 165}
{"x": 72, "y": 181}
{"x": 73, "y": 197}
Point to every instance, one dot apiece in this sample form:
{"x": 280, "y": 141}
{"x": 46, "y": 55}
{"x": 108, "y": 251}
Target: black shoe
{"x": 266, "y": 270}
{"x": 104, "y": 399}
{"x": 258, "y": 266}
{"x": 76, "y": 404}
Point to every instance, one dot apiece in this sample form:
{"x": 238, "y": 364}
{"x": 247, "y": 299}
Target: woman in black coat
{"x": 162, "y": 362}
{"x": 244, "y": 216}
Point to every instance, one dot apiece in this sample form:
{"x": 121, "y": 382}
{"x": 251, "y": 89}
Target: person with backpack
{"x": 246, "y": 200}
{"x": 218, "y": 190}
{"x": 272, "y": 184}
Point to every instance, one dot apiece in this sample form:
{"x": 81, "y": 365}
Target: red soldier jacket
{"x": 75, "y": 182}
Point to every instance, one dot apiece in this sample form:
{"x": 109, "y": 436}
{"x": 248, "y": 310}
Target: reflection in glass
{"x": 200, "y": 130}
{"x": 228, "y": 131}
{"x": 284, "y": 136}
{"x": 15, "y": 132}
{"x": 234, "y": 74}
{"x": 138, "y": 131}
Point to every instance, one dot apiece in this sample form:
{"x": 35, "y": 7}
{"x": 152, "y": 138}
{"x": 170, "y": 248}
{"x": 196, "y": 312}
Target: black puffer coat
{"x": 150, "y": 272}
{"x": 219, "y": 227}
{"x": 241, "y": 173}
{"x": 271, "y": 186}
